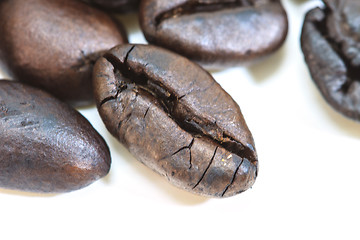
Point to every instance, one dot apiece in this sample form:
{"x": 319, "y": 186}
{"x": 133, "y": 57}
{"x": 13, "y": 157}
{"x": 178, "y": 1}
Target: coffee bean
{"x": 120, "y": 6}
{"x": 215, "y": 33}
{"x": 54, "y": 44}
{"x": 330, "y": 42}
{"x": 174, "y": 118}
{"x": 46, "y": 146}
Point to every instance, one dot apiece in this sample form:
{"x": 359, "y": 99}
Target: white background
{"x": 307, "y": 187}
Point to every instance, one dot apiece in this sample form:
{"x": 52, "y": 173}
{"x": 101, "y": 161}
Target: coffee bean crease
{"x": 174, "y": 118}
{"x": 330, "y": 42}
{"x": 169, "y": 100}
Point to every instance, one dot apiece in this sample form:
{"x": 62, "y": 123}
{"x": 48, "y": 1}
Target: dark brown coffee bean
{"x": 215, "y": 32}
{"x": 54, "y": 44}
{"x": 120, "y": 6}
{"x": 174, "y": 118}
{"x": 46, "y": 146}
{"x": 330, "y": 41}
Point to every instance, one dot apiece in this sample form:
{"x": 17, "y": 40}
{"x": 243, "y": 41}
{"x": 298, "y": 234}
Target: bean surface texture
{"x": 330, "y": 42}
{"x": 54, "y": 44}
{"x": 173, "y": 117}
{"x": 46, "y": 146}
{"x": 215, "y": 33}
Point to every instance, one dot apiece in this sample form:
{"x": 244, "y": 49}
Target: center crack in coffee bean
{"x": 215, "y": 33}
{"x": 353, "y": 71}
{"x": 173, "y": 117}
{"x": 330, "y": 41}
{"x": 192, "y": 7}
{"x": 172, "y": 106}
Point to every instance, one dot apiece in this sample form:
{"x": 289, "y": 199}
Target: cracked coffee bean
{"x": 46, "y": 146}
{"x": 330, "y": 42}
{"x": 176, "y": 119}
{"x": 54, "y": 44}
{"x": 215, "y": 33}
{"x": 120, "y": 6}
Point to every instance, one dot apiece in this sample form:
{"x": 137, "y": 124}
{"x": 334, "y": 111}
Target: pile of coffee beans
{"x": 157, "y": 100}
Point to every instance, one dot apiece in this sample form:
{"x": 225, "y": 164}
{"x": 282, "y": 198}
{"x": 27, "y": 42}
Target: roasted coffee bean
{"x": 119, "y": 6}
{"x": 54, "y": 44}
{"x": 330, "y": 42}
{"x": 46, "y": 146}
{"x": 174, "y": 118}
{"x": 215, "y": 33}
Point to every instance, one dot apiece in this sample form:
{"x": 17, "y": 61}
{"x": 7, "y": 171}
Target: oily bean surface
{"x": 174, "y": 118}
{"x": 46, "y": 146}
{"x": 330, "y": 42}
{"x": 120, "y": 6}
{"x": 54, "y": 44}
{"x": 215, "y": 33}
